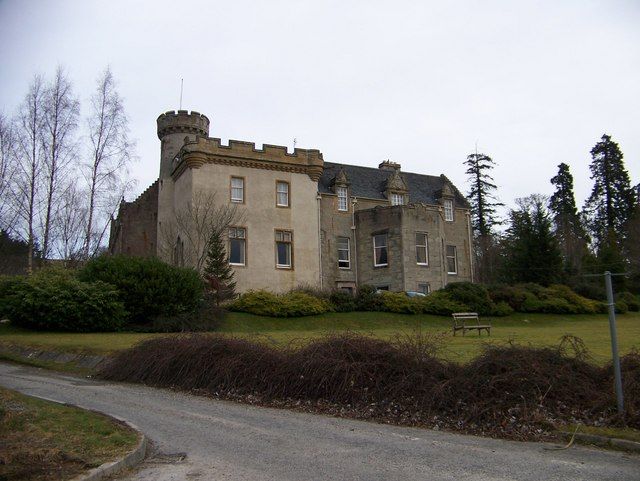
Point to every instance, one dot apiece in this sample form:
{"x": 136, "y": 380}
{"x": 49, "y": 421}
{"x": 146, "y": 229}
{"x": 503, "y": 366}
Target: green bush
{"x": 148, "y": 287}
{"x": 475, "y": 296}
{"x": 632, "y": 301}
{"x": 399, "y": 302}
{"x": 555, "y": 299}
{"x": 8, "y": 286}
{"x": 440, "y": 303}
{"x": 502, "y": 309}
{"x": 55, "y": 300}
{"x": 621, "y": 307}
{"x": 582, "y": 304}
{"x": 292, "y": 304}
{"x": 342, "y": 301}
{"x": 368, "y": 299}
{"x": 514, "y": 296}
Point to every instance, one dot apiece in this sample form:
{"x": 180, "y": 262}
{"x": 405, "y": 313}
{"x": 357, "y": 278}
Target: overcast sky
{"x": 534, "y": 83}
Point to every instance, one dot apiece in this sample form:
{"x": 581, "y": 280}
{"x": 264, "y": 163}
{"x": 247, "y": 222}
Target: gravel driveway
{"x": 228, "y": 441}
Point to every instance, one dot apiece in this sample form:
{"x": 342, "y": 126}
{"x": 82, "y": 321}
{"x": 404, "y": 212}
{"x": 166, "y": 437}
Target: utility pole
{"x": 611, "y": 307}
{"x": 614, "y": 342}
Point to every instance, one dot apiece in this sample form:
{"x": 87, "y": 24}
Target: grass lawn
{"x": 43, "y": 440}
{"x": 534, "y": 329}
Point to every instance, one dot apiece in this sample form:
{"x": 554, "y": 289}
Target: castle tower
{"x": 173, "y": 127}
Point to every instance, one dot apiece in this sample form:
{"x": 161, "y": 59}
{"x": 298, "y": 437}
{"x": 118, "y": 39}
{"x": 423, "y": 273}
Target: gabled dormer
{"x": 340, "y": 186}
{"x": 396, "y": 190}
{"x": 446, "y": 196}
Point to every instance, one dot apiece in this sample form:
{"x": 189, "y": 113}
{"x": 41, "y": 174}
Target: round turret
{"x": 183, "y": 122}
{"x": 173, "y": 129}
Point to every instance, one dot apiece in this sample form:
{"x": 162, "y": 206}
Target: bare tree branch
{"x": 29, "y": 165}
{"x": 110, "y": 156}
{"x": 194, "y": 225}
{"x": 60, "y": 121}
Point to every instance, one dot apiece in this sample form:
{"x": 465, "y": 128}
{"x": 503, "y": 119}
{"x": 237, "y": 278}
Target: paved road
{"x": 228, "y": 441}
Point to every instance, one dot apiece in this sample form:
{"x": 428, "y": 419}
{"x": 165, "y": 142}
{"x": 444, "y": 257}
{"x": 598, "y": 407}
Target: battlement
{"x": 273, "y": 157}
{"x": 182, "y": 121}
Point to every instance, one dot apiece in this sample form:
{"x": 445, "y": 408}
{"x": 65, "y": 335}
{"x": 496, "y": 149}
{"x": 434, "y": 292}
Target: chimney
{"x": 388, "y": 165}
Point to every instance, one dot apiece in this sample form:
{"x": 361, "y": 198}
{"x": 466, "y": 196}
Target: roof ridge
{"x": 376, "y": 169}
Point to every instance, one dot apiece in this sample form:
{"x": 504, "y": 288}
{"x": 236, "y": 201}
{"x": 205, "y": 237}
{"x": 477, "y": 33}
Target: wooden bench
{"x": 467, "y": 321}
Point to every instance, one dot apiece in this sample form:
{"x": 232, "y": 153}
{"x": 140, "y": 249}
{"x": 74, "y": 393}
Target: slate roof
{"x": 370, "y": 182}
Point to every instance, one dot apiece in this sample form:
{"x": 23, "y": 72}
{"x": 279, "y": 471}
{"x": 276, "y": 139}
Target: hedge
{"x": 148, "y": 287}
{"x": 55, "y": 300}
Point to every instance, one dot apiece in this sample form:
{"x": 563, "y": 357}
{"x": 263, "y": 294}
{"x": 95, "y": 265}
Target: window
{"x": 344, "y": 261}
{"x": 282, "y": 194}
{"x": 342, "y": 199}
{"x": 382, "y": 288}
{"x": 424, "y": 287}
{"x": 422, "y": 252}
{"x": 380, "y": 250}
{"x": 237, "y": 189}
{"x": 448, "y": 210}
{"x": 452, "y": 261}
{"x": 284, "y": 239}
{"x": 237, "y": 245}
{"x": 397, "y": 199}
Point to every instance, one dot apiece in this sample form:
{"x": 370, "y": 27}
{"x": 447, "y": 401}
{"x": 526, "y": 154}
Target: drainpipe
{"x": 319, "y": 199}
{"x": 470, "y": 244}
{"x": 354, "y": 201}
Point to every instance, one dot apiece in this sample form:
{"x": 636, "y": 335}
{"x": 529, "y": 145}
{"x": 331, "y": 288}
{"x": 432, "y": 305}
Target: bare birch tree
{"x": 60, "y": 121}
{"x": 70, "y": 222}
{"x": 186, "y": 240}
{"x": 110, "y": 156}
{"x": 7, "y": 170}
{"x": 29, "y": 165}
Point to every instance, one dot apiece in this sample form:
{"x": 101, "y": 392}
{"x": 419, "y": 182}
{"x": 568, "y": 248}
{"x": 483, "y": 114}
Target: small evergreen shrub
{"x": 440, "y": 303}
{"x": 148, "y": 287}
{"x": 399, "y": 302}
{"x": 342, "y": 301}
{"x": 555, "y": 299}
{"x": 514, "y": 296}
{"x": 8, "y": 286}
{"x": 475, "y": 296}
{"x": 621, "y": 307}
{"x": 368, "y": 299}
{"x": 292, "y": 304}
{"x": 55, "y": 300}
{"x": 632, "y": 301}
{"x": 502, "y": 309}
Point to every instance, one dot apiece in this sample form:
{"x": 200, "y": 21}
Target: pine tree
{"x": 217, "y": 270}
{"x": 633, "y": 243}
{"x": 531, "y": 252}
{"x": 612, "y": 199}
{"x": 571, "y": 236}
{"x": 483, "y": 209}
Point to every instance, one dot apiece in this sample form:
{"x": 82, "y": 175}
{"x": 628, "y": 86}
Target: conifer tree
{"x": 531, "y": 251}
{"x": 483, "y": 209}
{"x": 217, "y": 270}
{"x": 612, "y": 199}
{"x": 568, "y": 227}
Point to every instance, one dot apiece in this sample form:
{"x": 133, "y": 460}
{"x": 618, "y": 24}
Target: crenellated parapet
{"x": 182, "y": 121}
{"x": 270, "y": 157}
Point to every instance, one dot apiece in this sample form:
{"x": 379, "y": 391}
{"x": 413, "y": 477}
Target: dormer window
{"x": 448, "y": 210}
{"x": 343, "y": 198}
{"x": 397, "y": 199}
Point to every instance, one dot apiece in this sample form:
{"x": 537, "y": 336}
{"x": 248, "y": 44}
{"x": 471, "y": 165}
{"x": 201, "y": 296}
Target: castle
{"x": 296, "y": 219}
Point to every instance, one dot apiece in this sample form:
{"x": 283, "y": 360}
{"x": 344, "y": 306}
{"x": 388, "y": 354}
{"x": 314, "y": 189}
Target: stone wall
{"x": 376, "y": 221}
{"x": 401, "y": 223}
{"x": 260, "y": 216}
{"x": 134, "y": 232}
